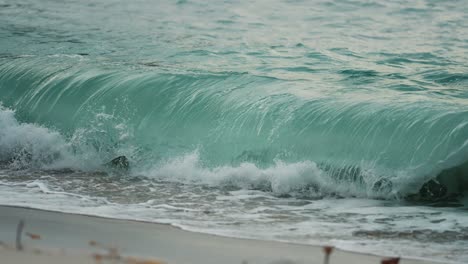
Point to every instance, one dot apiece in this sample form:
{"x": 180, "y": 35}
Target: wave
{"x": 226, "y": 128}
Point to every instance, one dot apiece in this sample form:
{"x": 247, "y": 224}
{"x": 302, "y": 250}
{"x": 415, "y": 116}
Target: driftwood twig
{"x": 19, "y": 231}
{"x": 327, "y": 250}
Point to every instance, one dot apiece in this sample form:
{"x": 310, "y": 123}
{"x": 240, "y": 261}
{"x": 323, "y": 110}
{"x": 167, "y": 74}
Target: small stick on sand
{"x": 19, "y": 231}
{"x": 328, "y": 250}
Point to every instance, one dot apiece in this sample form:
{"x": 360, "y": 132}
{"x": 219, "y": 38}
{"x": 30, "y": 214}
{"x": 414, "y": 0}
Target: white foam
{"x": 282, "y": 178}
{"x": 30, "y": 144}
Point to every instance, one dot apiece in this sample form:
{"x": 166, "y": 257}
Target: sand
{"x": 65, "y": 238}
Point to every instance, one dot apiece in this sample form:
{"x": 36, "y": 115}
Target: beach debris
{"x": 19, "y": 231}
{"x": 327, "y": 250}
{"x": 390, "y": 261}
{"x": 112, "y": 252}
{"x": 98, "y": 257}
{"x": 114, "y": 255}
{"x": 33, "y": 236}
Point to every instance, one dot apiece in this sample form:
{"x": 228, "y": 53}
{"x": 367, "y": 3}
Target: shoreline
{"x": 71, "y": 233}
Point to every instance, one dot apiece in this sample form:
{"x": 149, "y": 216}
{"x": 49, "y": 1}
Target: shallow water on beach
{"x": 315, "y": 122}
{"x": 385, "y": 227}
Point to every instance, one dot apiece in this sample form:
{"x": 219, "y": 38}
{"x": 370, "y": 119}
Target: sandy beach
{"x": 66, "y": 239}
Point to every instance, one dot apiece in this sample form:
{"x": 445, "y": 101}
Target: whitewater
{"x": 317, "y": 122}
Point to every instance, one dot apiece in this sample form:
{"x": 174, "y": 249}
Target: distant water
{"x": 315, "y": 122}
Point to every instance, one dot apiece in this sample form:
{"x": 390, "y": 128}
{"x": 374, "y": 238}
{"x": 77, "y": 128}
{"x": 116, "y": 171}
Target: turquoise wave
{"x": 229, "y": 118}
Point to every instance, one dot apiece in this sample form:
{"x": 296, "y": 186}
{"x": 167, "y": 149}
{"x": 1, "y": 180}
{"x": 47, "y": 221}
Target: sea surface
{"x": 341, "y": 122}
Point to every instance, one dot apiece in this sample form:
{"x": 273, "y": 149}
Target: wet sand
{"x": 66, "y": 237}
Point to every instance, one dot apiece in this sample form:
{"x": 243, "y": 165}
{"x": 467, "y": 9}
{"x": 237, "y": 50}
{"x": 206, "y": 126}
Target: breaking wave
{"x": 236, "y": 130}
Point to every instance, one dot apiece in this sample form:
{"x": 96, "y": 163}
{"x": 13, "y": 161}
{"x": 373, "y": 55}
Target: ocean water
{"x": 319, "y": 122}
